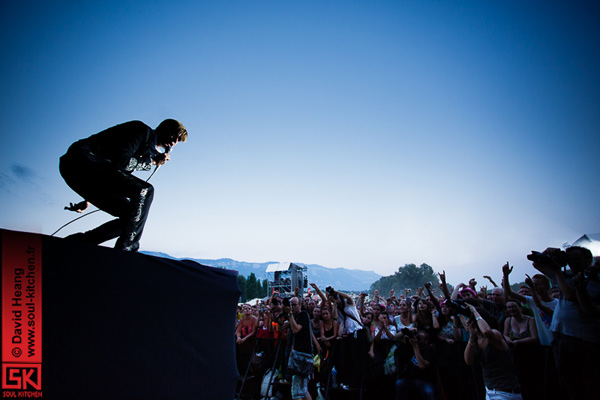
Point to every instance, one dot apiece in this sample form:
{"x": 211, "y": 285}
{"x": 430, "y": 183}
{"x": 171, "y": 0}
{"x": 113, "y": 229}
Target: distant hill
{"x": 339, "y": 278}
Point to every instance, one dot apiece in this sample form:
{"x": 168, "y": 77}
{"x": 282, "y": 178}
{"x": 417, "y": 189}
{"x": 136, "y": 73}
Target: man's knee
{"x": 149, "y": 193}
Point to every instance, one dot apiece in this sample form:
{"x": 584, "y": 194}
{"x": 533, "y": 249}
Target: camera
{"x": 286, "y": 302}
{"x": 329, "y": 290}
{"x": 408, "y": 333}
{"x": 558, "y": 257}
{"x": 460, "y": 307}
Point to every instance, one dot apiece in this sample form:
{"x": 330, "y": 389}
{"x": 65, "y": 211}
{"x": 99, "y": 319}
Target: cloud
{"x": 24, "y": 184}
{"x": 23, "y": 173}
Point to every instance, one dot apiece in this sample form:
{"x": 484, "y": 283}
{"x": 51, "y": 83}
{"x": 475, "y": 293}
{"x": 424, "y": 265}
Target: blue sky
{"x": 350, "y": 134}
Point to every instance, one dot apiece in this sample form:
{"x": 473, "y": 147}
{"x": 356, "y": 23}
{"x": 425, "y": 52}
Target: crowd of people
{"x": 540, "y": 342}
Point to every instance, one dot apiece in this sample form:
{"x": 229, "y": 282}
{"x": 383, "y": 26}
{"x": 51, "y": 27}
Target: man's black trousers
{"x": 111, "y": 190}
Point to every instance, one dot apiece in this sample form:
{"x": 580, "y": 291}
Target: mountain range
{"x": 339, "y": 278}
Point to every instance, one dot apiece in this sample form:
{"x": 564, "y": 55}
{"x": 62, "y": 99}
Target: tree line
{"x": 412, "y": 277}
{"x": 252, "y": 287}
{"x": 408, "y": 277}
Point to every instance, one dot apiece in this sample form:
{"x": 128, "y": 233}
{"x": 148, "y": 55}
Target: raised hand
{"x": 506, "y": 269}
{"x": 78, "y": 207}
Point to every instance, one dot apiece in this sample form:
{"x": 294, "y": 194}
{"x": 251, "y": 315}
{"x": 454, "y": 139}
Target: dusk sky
{"x": 356, "y": 134}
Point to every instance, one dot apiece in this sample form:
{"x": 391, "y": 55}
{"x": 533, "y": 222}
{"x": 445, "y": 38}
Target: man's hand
{"x": 529, "y": 282}
{"x": 413, "y": 342}
{"x": 161, "y": 159}
{"x": 483, "y": 291}
{"x": 442, "y": 276}
{"x": 506, "y": 269}
{"x": 580, "y": 281}
{"x": 78, "y": 207}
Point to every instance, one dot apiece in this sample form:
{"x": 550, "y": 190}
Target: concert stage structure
{"x": 285, "y": 277}
{"x": 88, "y": 322}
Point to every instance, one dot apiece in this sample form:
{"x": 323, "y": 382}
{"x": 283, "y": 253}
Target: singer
{"x": 100, "y": 168}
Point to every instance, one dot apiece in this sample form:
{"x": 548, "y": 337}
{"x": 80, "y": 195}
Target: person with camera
{"x": 301, "y": 357}
{"x": 415, "y": 364}
{"x": 576, "y": 320}
{"x": 487, "y": 345}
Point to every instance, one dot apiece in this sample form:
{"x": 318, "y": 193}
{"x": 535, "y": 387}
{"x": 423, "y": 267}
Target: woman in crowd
{"x": 381, "y": 376}
{"x": 520, "y": 331}
{"x": 405, "y": 319}
{"x": 245, "y": 330}
{"x": 450, "y": 362}
{"x": 328, "y": 327}
{"x": 315, "y": 322}
{"x": 488, "y": 346}
{"x": 426, "y": 319}
{"x": 354, "y": 340}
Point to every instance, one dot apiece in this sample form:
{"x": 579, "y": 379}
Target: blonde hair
{"x": 169, "y": 126}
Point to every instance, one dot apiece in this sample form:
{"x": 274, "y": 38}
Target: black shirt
{"x": 302, "y": 339}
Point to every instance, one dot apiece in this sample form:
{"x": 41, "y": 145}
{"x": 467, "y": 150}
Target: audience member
{"x": 246, "y": 330}
{"x": 488, "y": 346}
{"x": 576, "y": 321}
{"x": 416, "y": 346}
{"x": 415, "y": 362}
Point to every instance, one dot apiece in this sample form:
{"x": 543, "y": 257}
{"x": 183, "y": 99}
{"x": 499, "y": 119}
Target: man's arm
{"x": 470, "y": 350}
{"x": 421, "y": 362}
{"x": 321, "y": 294}
{"x": 508, "y": 292}
{"x": 457, "y": 289}
{"x": 495, "y": 337}
{"x": 536, "y": 298}
{"x": 294, "y": 326}
{"x": 345, "y": 296}
{"x": 444, "y": 286}
{"x": 489, "y": 278}
{"x": 78, "y": 207}
{"x": 584, "y": 299}
{"x": 432, "y": 298}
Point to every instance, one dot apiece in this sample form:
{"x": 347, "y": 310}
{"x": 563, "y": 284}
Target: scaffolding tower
{"x": 285, "y": 277}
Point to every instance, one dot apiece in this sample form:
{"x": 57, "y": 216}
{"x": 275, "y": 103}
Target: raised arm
{"x": 421, "y": 362}
{"x": 321, "y": 294}
{"x": 345, "y": 296}
{"x": 432, "y": 298}
{"x": 489, "y": 278}
{"x": 444, "y": 285}
{"x": 508, "y": 292}
{"x": 495, "y": 337}
{"x": 457, "y": 289}
{"x": 536, "y": 298}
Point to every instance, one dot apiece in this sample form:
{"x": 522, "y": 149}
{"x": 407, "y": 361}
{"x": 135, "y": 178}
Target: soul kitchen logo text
{"x": 21, "y": 315}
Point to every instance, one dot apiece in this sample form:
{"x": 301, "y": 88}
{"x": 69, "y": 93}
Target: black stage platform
{"x": 86, "y": 322}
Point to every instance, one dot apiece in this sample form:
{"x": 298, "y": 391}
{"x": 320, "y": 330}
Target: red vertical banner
{"x": 22, "y": 312}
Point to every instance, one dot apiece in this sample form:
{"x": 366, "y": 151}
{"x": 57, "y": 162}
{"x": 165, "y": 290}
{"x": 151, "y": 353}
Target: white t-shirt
{"x": 349, "y": 324}
{"x": 570, "y": 320}
{"x": 542, "y": 320}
